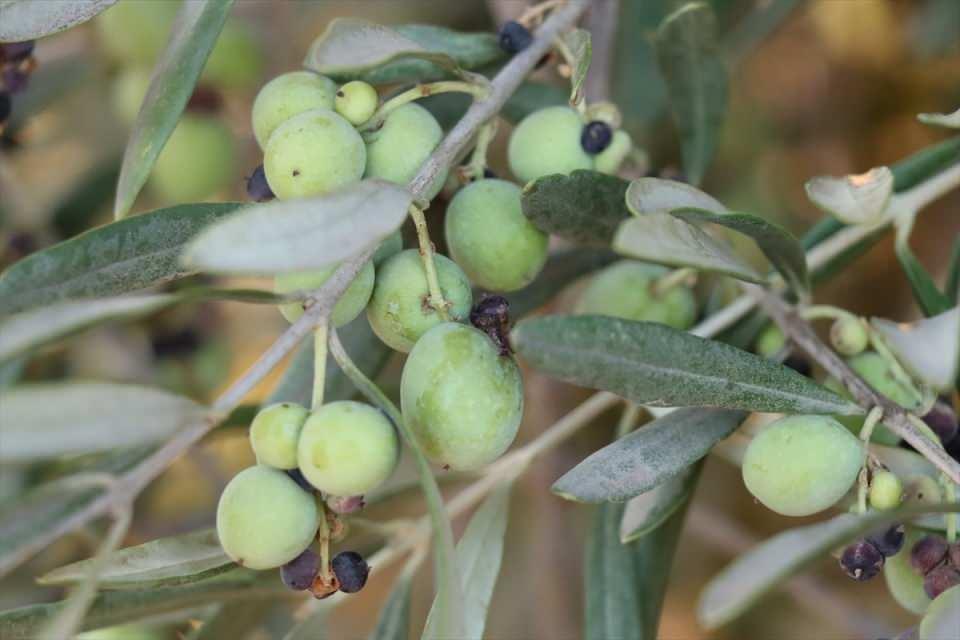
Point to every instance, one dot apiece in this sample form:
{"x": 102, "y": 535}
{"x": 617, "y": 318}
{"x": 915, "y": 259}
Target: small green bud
{"x": 848, "y": 336}
{"x": 886, "y": 491}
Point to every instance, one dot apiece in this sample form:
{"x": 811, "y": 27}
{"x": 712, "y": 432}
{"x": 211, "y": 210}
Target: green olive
{"x": 348, "y": 307}
{"x": 546, "y": 142}
{"x": 197, "y": 161}
{"x": 275, "y": 432}
{"x": 397, "y": 149}
{"x": 886, "y": 491}
{"x": 356, "y": 101}
{"x": 848, "y": 336}
{"x": 905, "y": 584}
{"x": 770, "y": 342}
{"x": 286, "y": 96}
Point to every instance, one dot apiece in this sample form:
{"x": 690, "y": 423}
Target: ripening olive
{"x": 275, "y": 432}
{"x": 348, "y": 307}
{"x": 547, "y": 141}
{"x": 288, "y": 95}
{"x": 886, "y": 491}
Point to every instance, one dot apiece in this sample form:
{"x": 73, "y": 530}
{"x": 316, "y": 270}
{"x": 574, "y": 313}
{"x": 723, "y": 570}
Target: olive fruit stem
{"x": 873, "y": 419}
{"x": 820, "y": 311}
{"x": 323, "y": 539}
{"x": 897, "y": 370}
{"x": 478, "y": 160}
{"x": 677, "y": 277}
{"x": 577, "y": 99}
{"x": 320, "y": 335}
{"x": 435, "y": 296}
{"x": 478, "y": 91}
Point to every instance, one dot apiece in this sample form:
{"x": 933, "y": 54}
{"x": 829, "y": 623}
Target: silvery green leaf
{"x": 646, "y": 512}
{"x": 651, "y": 195}
{"x": 665, "y": 239}
{"x": 194, "y": 33}
{"x": 854, "y": 199}
{"x": 577, "y": 42}
{"x": 48, "y": 420}
{"x": 28, "y": 330}
{"x": 28, "y": 19}
{"x": 584, "y": 206}
{"x": 925, "y": 291}
{"x": 929, "y": 349}
{"x": 296, "y": 235}
{"x": 949, "y": 120}
{"x": 164, "y": 562}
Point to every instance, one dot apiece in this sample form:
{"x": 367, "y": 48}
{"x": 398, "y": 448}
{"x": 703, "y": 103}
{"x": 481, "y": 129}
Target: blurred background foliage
{"x": 833, "y": 89}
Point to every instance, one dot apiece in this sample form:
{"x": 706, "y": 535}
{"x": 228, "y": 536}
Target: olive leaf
{"x": 296, "y": 235}
{"x": 650, "y": 363}
{"x": 696, "y": 78}
{"x": 27, "y": 19}
{"x": 577, "y": 43}
{"x": 953, "y": 273}
{"x": 652, "y": 195}
{"x": 925, "y": 290}
{"x": 26, "y": 331}
{"x": 236, "y": 620}
{"x": 647, "y": 457}
{"x": 561, "y": 268}
{"x": 948, "y": 120}
{"x": 648, "y": 511}
{"x": 854, "y": 199}
{"x": 120, "y": 257}
{"x": 929, "y": 349}
{"x": 193, "y": 36}
{"x": 584, "y": 206}
{"x": 166, "y": 562}
{"x": 748, "y": 578}
{"x": 47, "y": 420}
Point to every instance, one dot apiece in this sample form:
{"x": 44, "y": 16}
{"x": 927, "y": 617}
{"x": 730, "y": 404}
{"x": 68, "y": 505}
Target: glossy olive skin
{"x": 399, "y": 311}
{"x": 461, "y": 398}
{"x": 397, "y": 149}
{"x": 274, "y": 434}
{"x": 348, "y": 307}
{"x": 800, "y": 465}
{"x": 626, "y": 289}
{"x": 347, "y": 448}
{"x": 490, "y": 238}
{"x": 197, "y": 161}
{"x": 264, "y": 519}
{"x": 313, "y": 153}
{"x": 286, "y": 96}
{"x": 545, "y": 142}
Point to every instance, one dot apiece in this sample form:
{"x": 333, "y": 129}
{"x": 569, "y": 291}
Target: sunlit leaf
{"x": 652, "y": 195}
{"x": 297, "y": 235}
{"x": 28, "y": 330}
{"x": 585, "y": 206}
{"x": 648, "y": 511}
{"x": 855, "y": 199}
{"x": 194, "y": 34}
{"x": 647, "y": 457}
{"x": 28, "y": 19}
{"x": 116, "y": 258}
{"x": 650, "y": 363}
{"x": 949, "y": 120}
{"x": 577, "y": 42}
{"x": 48, "y": 420}
{"x": 748, "y": 578}
{"x": 929, "y": 349}
{"x": 696, "y": 79}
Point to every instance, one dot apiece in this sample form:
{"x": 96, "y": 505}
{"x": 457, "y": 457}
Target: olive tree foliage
{"x": 699, "y": 384}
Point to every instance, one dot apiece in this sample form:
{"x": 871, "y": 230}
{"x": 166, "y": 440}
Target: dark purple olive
{"x": 927, "y": 553}
{"x": 514, "y": 37}
{"x": 297, "y": 477}
{"x": 888, "y": 541}
{"x": 351, "y": 571}
{"x": 17, "y": 51}
{"x": 596, "y": 137}
{"x": 299, "y": 573}
{"x": 258, "y": 189}
{"x": 861, "y": 560}
{"x": 492, "y": 316}
{"x": 939, "y": 580}
{"x": 6, "y": 107}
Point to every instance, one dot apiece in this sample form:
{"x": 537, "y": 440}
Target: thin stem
{"x": 376, "y": 121}
{"x": 319, "y": 363}
{"x": 873, "y": 419}
{"x": 323, "y": 539}
{"x": 430, "y": 269}
{"x": 822, "y": 311}
{"x": 478, "y": 161}
{"x": 678, "y": 277}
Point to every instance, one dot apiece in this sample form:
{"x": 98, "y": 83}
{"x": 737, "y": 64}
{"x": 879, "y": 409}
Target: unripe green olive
{"x": 461, "y": 398}
{"x": 848, "y": 336}
{"x": 275, "y": 432}
{"x": 886, "y": 491}
{"x": 942, "y": 619}
{"x": 491, "y": 239}
{"x": 348, "y": 307}
{"x": 397, "y": 149}
{"x": 197, "y": 161}
{"x": 135, "y": 32}
{"x": 391, "y": 246}
{"x": 876, "y": 372}
{"x": 547, "y": 141}
{"x": 922, "y": 490}
{"x": 347, "y": 448}
{"x": 313, "y": 153}
{"x": 905, "y": 584}
{"x": 127, "y": 91}
{"x": 770, "y": 341}
{"x": 286, "y": 96}
{"x": 356, "y": 101}
{"x": 625, "y": 289}
{"x": 800, "y": 465}
{"x": 264, "y": 519}
{"x": 610, "y": 159}
{"x": 399, "y": 311}
{"x": 236, "y": 61}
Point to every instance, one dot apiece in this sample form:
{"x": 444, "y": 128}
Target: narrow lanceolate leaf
{"x": 28, "y": 330}
{"x": 165, "y": 562}
{"x": 351, "y": 47}
{"x": 696, "y": 78}
{"x": 585, "y": 206}
{"x": 479, "y": 553}
{"x": 931, "y": 300}
{"x": 645, "y": 513}
{"x": 48, "y": 420}
{"x": 665, "y": 239}
{"x": 28, "y": 19}
{"x": 193, "y": 35}
{"x": 949, "y": 120}
{"x": 394, "y": 620}
{"x": 236, "y": 620}
{"x": 116, "y": 258}
{"x": 577, "y": 42}
{"x": 650, "y": 195}
{"x": 783, "y": 251}
{"x": 929, "y": 349}
{"x": 648, "y": 457}
{"x": 854, "y": 199}
{"x": 755, "y": 573}
{"x": 650, "y": 363}
{"x": 297, "y": 235}
{"x": 562, "y": 268}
